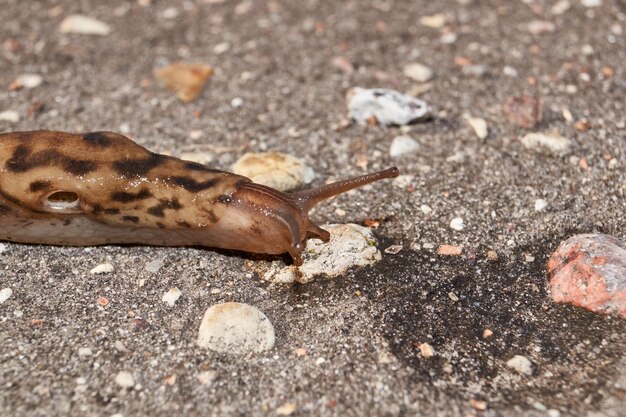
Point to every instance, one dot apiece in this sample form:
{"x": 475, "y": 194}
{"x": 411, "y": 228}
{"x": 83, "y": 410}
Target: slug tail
{"x": 307, "y": 199}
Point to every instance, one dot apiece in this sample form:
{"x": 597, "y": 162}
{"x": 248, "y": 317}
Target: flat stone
{"x": 418, "y": 72}
{"x": 589, "y": 271}
{"x": 457, "y": 224}
{"x": 171, "y": 296}
{"x": 125, "y": 379}
{"x": 350, "y": 246}
{"x": 154, "y": 266}
{"x": 524, "y": 111}
{"x": 84, "y": 25}
{"x": 520, "y": 364}
{"x": 10, "y": 116}
{"x": 236, "y": 329}
{"x": 5, "y": 294}
{"x": 186, "y": 80}
{"x": 479, "y": 125}
{"x": 550, "y": 143}
{"x": 403, "y": 145}
{"x": 277, "y": 170}
{"x": 385, "y": 107}
{"x": 102, "y": 269}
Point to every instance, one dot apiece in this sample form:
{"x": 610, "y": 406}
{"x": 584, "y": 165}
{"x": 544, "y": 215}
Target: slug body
{"x": 102, "y": 188}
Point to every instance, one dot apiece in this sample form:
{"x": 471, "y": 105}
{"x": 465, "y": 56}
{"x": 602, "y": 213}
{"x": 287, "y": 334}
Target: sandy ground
{"x": 361, "y": 332}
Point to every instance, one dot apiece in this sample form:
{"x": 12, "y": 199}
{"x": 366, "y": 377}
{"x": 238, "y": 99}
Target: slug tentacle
{"x": 102, "y": 188}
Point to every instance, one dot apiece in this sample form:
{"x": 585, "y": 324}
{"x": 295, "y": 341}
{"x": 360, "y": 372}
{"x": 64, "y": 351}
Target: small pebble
{"x": 277, "y": 170}
{"x": 478, "y": 405}
{"x": 236, "y": 102}
{"x": 524, "y": 111}
{"x": 591, "y": 3}
{"x": 5, "y": 294}
{"x": 393, "y": 249}
{"x": 528, "y": 258}
{"x": 589, "y": 271}
{"x": 487, "y": 333}
{"x": 453, "y": 296}
{"x": 403, "y": 145}
{"x": 170, "y": 13}
{"x": 186, "y": 80}
{"x": 10, "y": 116}
{"x": 27, "y": 81}
{"x": 125, "y": 379}
{"x": 479, "y": 125}
{"x": 457, "y": 224}
{"x": 171, "y": 296}
{"x": 102, "y": 269}
{"x": 300, "y": 352}
{"x": 350, "y": 246}
{"x": 426, "y": 209}
{"x": 539, "y": 27}
{"x": 560, "y": 7}
{"x": 449, "y": 250}
{"x": 385, "y": 107}
{"x": 448, "y": 38}
{"x": 426, "y": 350}
{"x": 550, "y": 143}
{"x": 236, "y": 329}
{"x": 540, "y": 204}
{"x": 286, "y": 409}
{"x": 428, "y": 245}
{"x": 492, "y": 255}
{"x": 84, "y": 351}
{"x": 154, "y": 266}
{"x": 520, "y": 364}
{"x": 320, "y": 361}
{"x": 206, "y": 377}
{"x": 84, "y": 25}
{"x": 435, "y": 21}
{"x": 418, "y": 72}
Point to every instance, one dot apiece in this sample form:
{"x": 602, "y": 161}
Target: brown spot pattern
{"x": 125, "y": 197}
{"x": 192, "y": 185}
{"x": 164, "y": 204}
{"x": 23, "y": 160}
{"x": 138, "y": 167}
{"x": 39, "y": 186}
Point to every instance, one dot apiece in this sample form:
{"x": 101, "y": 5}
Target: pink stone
{"x": 590, "y": 271}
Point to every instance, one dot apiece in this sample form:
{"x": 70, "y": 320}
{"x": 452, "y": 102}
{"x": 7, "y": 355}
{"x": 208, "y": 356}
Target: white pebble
{"x": 540, "y": 204}
{"x": 479, "y": 125}
{"x": 591, "y": 3}
{"x": 125, "y": 379}
{"x": 84, "y": 25}
{"x": 418, "y": 72}
{"x": 457, "y": 224}
{"x": 449, "y": 38}
{"x": 435, "y": 21}
{"x": 3, "y": 248}
{"x": 551, "y": 143}
{"x": 388, "y": 107}
{"x": 453, "y": 296}
{"x": 403, "y": 181}
{"x": 171, "y": 296}
{"x": 84, "y": 351}
{"x": 154, "y": 266}
{"x": 537, "y": 27}
{"x": 10, "y": 116}
{"x": 5, "y": 294}
{"x": 350, "y": 246}
{"x": 520, "y": 364}
{"x": 170, "y": 13}
{"x": 102, "y": 269}
{"x": 319, "y": 361}
{"x": 220, "y": 48}
{"x": 426, "y": 209}
{"x": 403, "y": 145}
{"x": 236, "y": 102}
{"x": 236, "y": 329}
{"x": 510, "y": 71}
{"x": 277, "y": 170}
{"x": 29, "y": 80}
{"x": 560, "y": 7}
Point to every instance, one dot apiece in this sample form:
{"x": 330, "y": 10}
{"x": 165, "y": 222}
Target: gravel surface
{"x": 418, "y": 333}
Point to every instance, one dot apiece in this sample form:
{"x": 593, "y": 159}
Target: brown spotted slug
{"x": 101, "y": 188}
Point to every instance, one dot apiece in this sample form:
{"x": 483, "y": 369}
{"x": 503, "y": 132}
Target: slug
{"x": 102, "y": 188}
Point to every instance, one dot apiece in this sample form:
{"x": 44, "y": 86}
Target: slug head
{"x": 279, "y": 221}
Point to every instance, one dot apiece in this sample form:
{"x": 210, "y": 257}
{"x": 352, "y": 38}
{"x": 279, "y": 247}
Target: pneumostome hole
{"x": 62, "y": 200}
